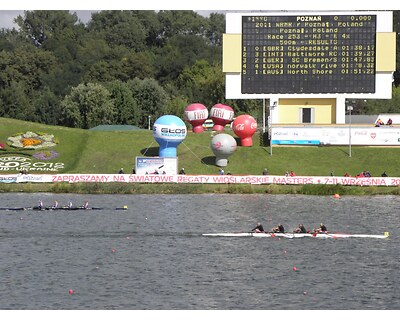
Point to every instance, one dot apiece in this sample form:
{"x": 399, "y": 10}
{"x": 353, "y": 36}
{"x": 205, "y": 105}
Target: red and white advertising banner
{"x": 200, "y": 179}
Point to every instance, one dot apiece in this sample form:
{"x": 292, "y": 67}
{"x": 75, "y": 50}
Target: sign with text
{"x": 291, "y": 54}
{"x": 201, "y": 179}
{"x": 360, "y": 136}
{"x": 308, "y": 53}
{"x": 23, "y": 163}
{"x": 156, "y": 165}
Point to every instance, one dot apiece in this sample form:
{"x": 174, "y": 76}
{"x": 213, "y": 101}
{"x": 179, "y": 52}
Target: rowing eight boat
{"x": 296, "y": 235}
{"x": 61, "y": 208}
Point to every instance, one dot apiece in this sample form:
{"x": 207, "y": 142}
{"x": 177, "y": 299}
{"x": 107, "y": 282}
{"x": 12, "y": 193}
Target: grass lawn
{"x": 84, "y": 151}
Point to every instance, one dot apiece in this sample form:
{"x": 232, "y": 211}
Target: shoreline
{"x": 173, "y": 188}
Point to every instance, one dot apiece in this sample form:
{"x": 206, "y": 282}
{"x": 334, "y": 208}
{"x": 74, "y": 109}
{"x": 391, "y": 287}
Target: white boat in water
{"x": 297, "y": 235}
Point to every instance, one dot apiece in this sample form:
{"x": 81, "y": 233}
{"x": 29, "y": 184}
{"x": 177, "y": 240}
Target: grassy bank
{"x": 83, "y": 151}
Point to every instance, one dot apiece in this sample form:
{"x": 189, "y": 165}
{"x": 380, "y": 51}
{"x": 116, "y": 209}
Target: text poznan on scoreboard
{"x": 308, "y": 54}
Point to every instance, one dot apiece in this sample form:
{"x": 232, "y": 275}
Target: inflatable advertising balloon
{"x": 223, "y": 145}
{"x": 169, "y": 131}
{"x": 196, "y": 114}
{"x": 221, "y": 115}
{"x": 244, "y": 127}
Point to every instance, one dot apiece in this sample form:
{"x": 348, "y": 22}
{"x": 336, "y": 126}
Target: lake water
{"x": 153, "y": 255}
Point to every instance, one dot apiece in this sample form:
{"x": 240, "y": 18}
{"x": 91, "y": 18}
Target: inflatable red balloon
{"x": 196, "y": 114}
{"x": 221, "y": 115}
{"x": 244, "y": 127}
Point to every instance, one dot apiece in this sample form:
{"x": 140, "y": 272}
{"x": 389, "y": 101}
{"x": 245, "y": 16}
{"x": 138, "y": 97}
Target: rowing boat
{"x": 61, "y": 208}
{"x": 297, "y": 235}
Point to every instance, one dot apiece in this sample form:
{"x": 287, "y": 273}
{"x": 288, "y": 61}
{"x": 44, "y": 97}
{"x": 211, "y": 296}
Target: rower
{"x": 40, "y": 206}
{"x": 278, "y": 229}
{"x": 55, "y": 205}
{"x": 259, "y": 228}
{"x": 85, "y": 205}
{"x": 300, "y": 229}
{"x": 321, "y": 229}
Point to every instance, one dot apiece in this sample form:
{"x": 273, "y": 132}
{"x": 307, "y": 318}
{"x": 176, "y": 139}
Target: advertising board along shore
{"x": 200, "y": 179}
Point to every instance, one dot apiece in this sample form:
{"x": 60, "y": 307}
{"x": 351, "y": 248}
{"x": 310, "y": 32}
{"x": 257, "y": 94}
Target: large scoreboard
{"x": 309, "y": 53}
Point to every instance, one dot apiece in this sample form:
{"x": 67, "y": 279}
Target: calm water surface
{"x": 153, "y": 255}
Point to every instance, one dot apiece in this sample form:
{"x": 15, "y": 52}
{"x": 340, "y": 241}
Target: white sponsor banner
{"x": 203, "y": 179}
{"x": 9, "y": 178}
{"x": 363, "y": 136}
{"x": 156, "y": 165}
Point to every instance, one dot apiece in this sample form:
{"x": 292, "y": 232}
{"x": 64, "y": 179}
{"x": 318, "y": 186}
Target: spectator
{"x": 229, "y": 173}
{"x": 121, "y": 171}
{"x": 361, "y": 175}
{"x": 221, "y": 171}
{"x": 133, "y": 171}
{"x": 292, "y": 174}
{"x": 384, "y": 174}
{"x": 346, "y": 174}
{"x": 389, "y": 122}
{"x": 265, "y": 172}
{"x": 379, "y": 123}
{"x": 287, "y": 173}
{"x": 182, "y": 171}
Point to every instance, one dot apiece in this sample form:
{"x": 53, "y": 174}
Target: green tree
{"x": 176, "y": 106}
{"x": 25, "y": 64}
{"x": 396, "y": 29}
{"x": 47, "y": 107}
{"x": 9, "y": 39}
{"x": 203, "y": 83}
{"x": 87, "y": 106}
{"x": 182, "y": 51}
{"x": 119, "y": 28}
{"x": 150, "y": 97}
{"x": 152, "y": 25}
{"x": 380, "y": 106}
{"x": 43, "y": 26}
{"x": 215, "y": 28}
{"x": 181, "y": 22}
{"x": 15, "y": 102}
{"x": 126, "y": 109}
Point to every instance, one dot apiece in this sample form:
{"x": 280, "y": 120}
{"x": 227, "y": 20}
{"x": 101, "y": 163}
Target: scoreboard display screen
{"x": 308, "y": 54}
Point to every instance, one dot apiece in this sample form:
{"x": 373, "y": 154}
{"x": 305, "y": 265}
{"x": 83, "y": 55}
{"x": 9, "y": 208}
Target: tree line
{"x": 119, "y": 68}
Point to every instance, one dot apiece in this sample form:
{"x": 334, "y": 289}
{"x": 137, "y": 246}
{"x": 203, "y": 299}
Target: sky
{"x": 11, "y": 9}
{"x": 7, "y": 17}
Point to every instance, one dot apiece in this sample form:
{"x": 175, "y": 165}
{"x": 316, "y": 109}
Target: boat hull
{"x": 61, "y": 209}
{"x": 296, "y": 235}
